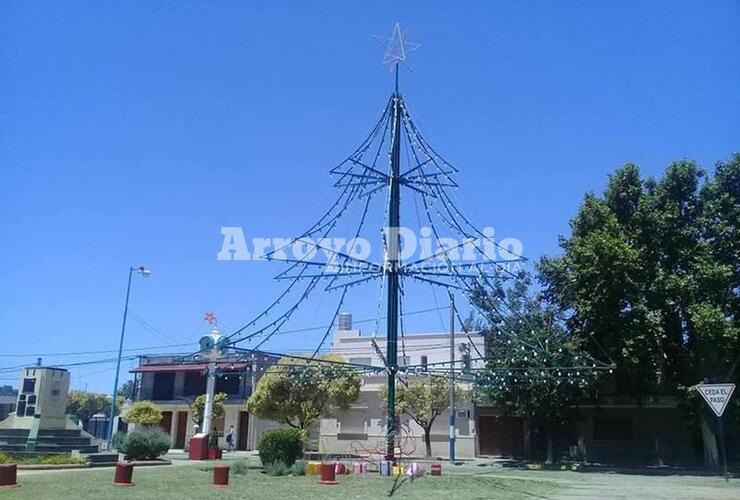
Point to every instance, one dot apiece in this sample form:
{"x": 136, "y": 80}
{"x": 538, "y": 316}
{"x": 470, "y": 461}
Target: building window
{"x": 164, "y": 386}
{"x": 228, "y": 383}
{"x": 424, "y": 363}
{"x": 195, "y": 384}
{"x": 613, "y": 429}
{"x": 29, "y": 385}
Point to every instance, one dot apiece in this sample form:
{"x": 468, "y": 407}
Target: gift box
{"x": 385, "y": 468}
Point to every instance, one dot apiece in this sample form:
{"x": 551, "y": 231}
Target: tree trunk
{"x": 550, "y": 448}
{"x": 528, "y": 438}
{"x": 428, "y": 441}
{"x": 711, "y": 456}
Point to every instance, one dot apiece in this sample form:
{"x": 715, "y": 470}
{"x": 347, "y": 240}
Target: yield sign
{"x": 716, "y": 395}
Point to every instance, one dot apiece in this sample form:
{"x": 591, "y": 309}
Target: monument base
{"x": 198, "y": 447}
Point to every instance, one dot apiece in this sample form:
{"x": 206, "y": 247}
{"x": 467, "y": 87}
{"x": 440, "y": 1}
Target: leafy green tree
{"x": 127, "y": 390}
{"x": 535, "y": 369}
{"x": 198, "y": 406}
{"x": 424, "y": 399}
{"x": 7, "y": 390}
{"x": 83, "y": 405}
{"x": 298, "y": 393}
{"x": 651, "y": 274}
{"x": 144, "y": 413}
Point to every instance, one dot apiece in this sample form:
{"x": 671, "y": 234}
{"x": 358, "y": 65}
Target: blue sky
{"x": 132, "y": 131}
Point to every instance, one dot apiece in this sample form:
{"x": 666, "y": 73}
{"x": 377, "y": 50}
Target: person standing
{"x": 230, "y": 438}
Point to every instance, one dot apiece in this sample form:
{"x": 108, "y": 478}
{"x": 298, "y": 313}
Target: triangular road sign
{"x": 716, "y": 395}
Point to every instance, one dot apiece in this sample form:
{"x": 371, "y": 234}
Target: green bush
{"x": 277, "y": 469}
{"x": 61, "y": 459}
{"x": 118, "y": 440}
{"x": 213, "y": 439}
{"x": 239, "y": 467}
{"x": 145, "y": 445}
{"x": 298, "y": 468}
{"x": 281, "y": 445}
{"x": 143, "y": 413}
{"x": 40, "y": 459}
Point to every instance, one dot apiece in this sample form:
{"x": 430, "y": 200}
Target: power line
{"x": 84, "y": 353}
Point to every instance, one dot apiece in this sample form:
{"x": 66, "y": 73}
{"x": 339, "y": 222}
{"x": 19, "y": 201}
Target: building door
{"x": 243, "y": 431}
{"x": 500, "y": 435}
{"x": 182, "y": 429}
{"x": 166, "y": 421}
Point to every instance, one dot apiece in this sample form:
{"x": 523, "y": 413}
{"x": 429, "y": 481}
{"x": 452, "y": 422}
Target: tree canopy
{"x": 83, "y": 405}
{"x": 127, "y": 390}
{"x": 651, "y": 273}
{"x": 298, "y": 392}
{"x": 424, "y": 399}
{"x": 535, "y": 368}
{"x": 144, "y": 413}
{"x": 199, "y": 404}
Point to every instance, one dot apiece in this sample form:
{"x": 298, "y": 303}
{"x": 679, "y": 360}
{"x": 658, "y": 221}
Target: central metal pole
{"x": 391, "y": 271}
{"x": 452, "y": 379}
{"x": 118, "y": 363}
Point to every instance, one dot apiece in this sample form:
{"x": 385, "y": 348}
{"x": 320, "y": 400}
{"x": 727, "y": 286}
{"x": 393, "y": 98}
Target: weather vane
{"x": 396, "y": 47}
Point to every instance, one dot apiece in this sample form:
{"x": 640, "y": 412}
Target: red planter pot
{"x": 215, "y": 453}
{"x": 124, "y": 474}
{"x": 8, "y": 476}
{"x": 436, "y": 469}
{"x": 221, "y": 476}
{"x": 328, "y": 474}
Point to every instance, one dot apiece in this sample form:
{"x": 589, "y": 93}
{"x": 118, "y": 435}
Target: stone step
{"x": 10, "y": 448}
{"x": 13, "y": 432}
{"x": 90, "y": 448}
{"x": 104, "y": 457}
{"x": 60, "y": 432}
{"x": 67, "y": 441}
{"x": 13, "y": 440}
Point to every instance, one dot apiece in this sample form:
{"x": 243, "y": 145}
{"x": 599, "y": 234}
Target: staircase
{"x": 49, "y": 442}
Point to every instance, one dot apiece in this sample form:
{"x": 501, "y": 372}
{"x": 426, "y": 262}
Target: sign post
{"x": 717, "y": 396}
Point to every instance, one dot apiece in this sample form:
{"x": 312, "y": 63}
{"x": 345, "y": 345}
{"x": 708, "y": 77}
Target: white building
{"x": 361, "y": 429}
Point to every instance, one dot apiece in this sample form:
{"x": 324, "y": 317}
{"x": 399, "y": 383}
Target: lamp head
{"x": 143, "y": 271}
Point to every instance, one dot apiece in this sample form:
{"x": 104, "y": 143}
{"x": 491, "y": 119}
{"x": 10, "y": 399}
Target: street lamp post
{"x": 145, "y": 273}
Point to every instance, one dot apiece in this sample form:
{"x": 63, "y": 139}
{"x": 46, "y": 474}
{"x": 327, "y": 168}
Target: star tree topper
{"x": 396, "y": 47}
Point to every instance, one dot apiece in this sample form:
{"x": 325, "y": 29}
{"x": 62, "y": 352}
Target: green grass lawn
{"x": 186, "y": 481}
{"x": 154, "y": 483}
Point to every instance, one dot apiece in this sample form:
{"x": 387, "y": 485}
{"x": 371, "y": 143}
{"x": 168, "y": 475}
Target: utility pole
{"x": 391, "y": 272}
{"x": 452, "y": 378}
{"x": 251, "y": 432}
{"x": 145, "y": 273}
